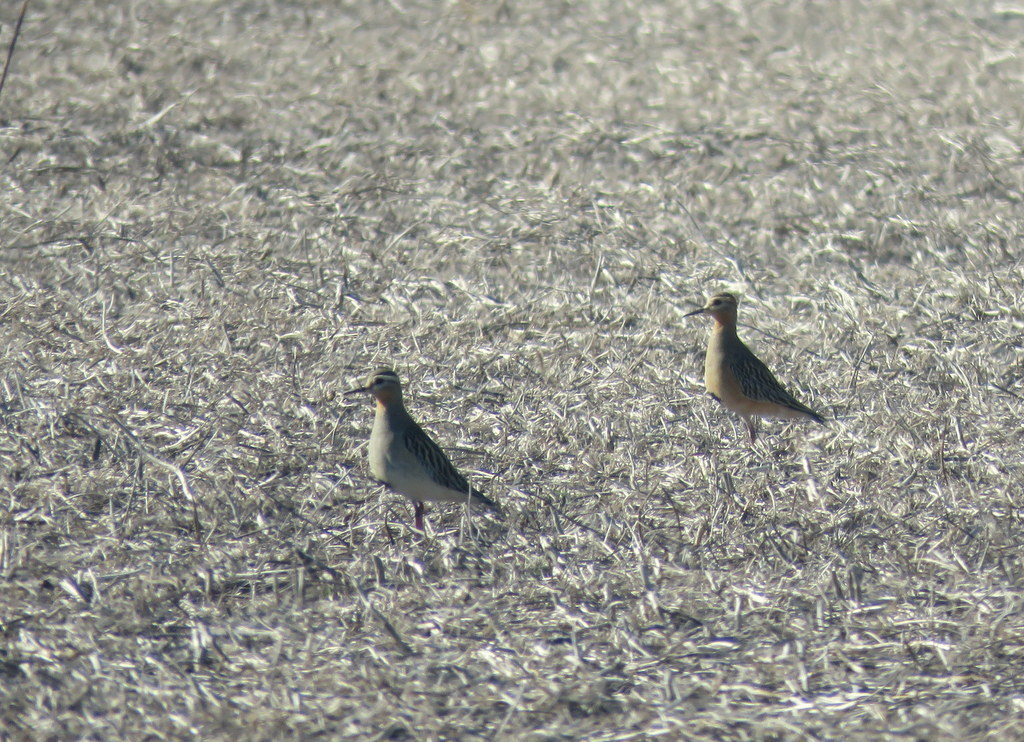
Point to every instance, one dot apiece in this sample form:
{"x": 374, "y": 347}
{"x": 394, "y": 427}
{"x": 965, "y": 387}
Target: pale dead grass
{"x": 215, "y": 219}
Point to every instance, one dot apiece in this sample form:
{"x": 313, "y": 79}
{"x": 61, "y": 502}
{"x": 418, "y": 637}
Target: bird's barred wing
{"x": 437, "y": 465}
{"x": 759, "y": 384}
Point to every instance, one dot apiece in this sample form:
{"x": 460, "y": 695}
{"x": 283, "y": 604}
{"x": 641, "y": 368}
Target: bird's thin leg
{"x": 752, "y": 427}
{"x": 470, "y": 526}
{"x": 419, "y": 508}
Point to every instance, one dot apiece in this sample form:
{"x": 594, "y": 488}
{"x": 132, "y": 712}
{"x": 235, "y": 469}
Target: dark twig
{"x": 10, "y": 49}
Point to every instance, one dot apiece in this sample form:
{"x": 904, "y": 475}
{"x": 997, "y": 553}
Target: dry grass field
{"x": 217, "y": 217}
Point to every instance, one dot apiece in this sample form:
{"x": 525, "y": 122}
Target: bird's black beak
{"x": 696, "y": 311}
{"x": 360, "y": 390}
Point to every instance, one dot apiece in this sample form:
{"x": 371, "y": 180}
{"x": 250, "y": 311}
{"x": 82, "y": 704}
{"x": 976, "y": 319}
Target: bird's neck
{"x": 724, "y": 329}
{"x": 392, "y": 411}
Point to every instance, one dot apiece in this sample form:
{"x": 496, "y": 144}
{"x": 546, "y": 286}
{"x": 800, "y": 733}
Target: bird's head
{"x": 383, "y": 384}
{"x": 722, "y": 307}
